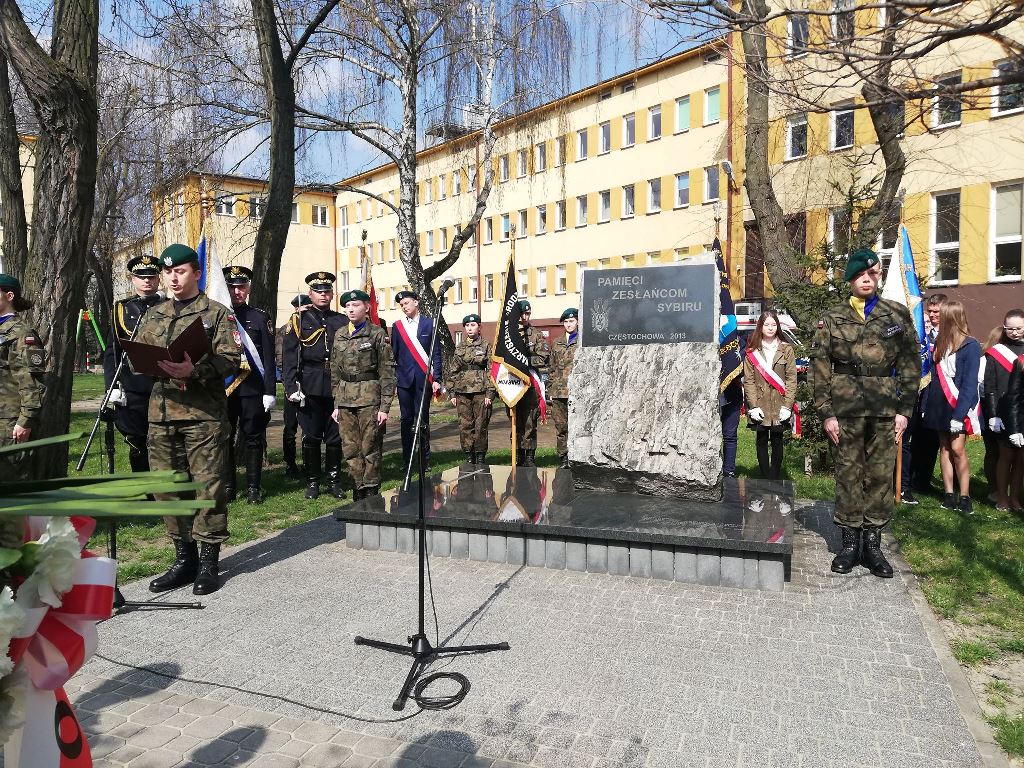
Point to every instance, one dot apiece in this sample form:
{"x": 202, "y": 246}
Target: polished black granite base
{"x": 752, "y": 521}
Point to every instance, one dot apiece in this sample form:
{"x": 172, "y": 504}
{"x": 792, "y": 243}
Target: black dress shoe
{"x": 254, "y": 496}
{"x": 872, "y": 557}
{"x": 849, "y": 555}
{"x": 208, "y": 578}
{"x": 313, "y": 489}
{"x": 292, "y": 472}
{"x": 907, "y": 497}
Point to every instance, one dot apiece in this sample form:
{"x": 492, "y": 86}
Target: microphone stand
{"x": 119, "y": 603}
{"x": 419, "y": 647}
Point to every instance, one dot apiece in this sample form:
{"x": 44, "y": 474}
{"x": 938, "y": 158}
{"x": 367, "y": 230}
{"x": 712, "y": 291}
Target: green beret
{"x": 177, "y": 254}
{"x": 354, "y": 295}
{"x": 524, "y": 306}
{"x": 301, "y": 300}
{"x": 860, "y": 260}
{"x": 10, "y": 283}
{"x": 473, "y": 318}
{"x": 570, "y": 312}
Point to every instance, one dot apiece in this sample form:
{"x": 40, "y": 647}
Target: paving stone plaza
{"x": 604, "y": 671}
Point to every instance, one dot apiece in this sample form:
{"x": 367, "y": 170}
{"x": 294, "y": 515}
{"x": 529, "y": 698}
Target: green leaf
{"x": 31, "y": 445}
{"x": 9, "y": 557}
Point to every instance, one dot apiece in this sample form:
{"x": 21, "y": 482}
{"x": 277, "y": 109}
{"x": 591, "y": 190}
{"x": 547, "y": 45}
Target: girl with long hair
{"x": 951, "y": 402}
{"x": 1002, "y": 363}
{"x": 769, "y": 385}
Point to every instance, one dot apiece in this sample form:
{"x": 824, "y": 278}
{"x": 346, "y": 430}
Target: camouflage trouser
{"x": 199, "y": 448}
{"x": 865, "y": 459}
{"x": 474, "y": 417}
{"x": 527, "y": 414}
{"x": 560, "y": 416}
{"x": 12, "y": 529}
{"x": 361, "y": 440}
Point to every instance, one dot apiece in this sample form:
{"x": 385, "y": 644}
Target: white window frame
{"x": 522, "y": 164}
{"x": 682, "y": 100}
{"x": 998, "y": 90}
{"x": 474, "y": 289}
{"x": 503, "y": 168}
{"x": 716, "y": 89}
{"x": 653, "y": 112}
{"x": 840, "y": 9}
{"x": 428, "y": 187}
{"x": 506, "y": 226}
{"x": 654, "y": 195}
{"x": 934, "y": 246}
{"x": 561, "y": 282}
{"x": 605, "y": 132}
{"x": 442, "y": 189}
{"x": 628, "y": 130}
{"x": 225, "y": 204}
{"x": 831, "y": 231}
{"x": 542, "y": 282}
{"x": 488, "y": 230}
{"x": 581, "y": 268}
{"x": 581, "y": 144}
{"x": 604, "y": 206}
{"x": 833, "y": 127}
{"x": 320, "y": 216}
{"x": 1005, "y": 239}
{"x": 295, "y": 213}
{"x": 257, "y": 207}
{"x": 707, "y": 183}
{"x": 430, "y": 241}
{"x": 523, "y": 223}
{"x": 489, "y": 288}
{"x": 791, "y": 122}
{"x": 444, "y": 240}
{"x": 792, "y": 50}
{"x": 542, "y": 219}
{"x": 457, "y": 182}
{"x": 581, "y": 211}
{"x": 523, "y": 282}
{"x": 540, "y": 157}
{"x": 678, "y": 203}
{"x": 628, "y": 201}
{"x": 560, "y": 215}
{"x": 936, "y": 108}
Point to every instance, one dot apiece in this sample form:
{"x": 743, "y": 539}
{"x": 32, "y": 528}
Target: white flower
{"x": 12, "y": 704}
{"x": 11, "y": 619}
{"x": 58, "y": 555}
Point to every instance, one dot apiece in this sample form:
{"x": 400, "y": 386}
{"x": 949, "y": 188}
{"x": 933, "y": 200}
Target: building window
{"x": 605, "y": 95}
{"x": 842, "y": 128}
{"x": 628, "y": 201}
{"x": 711, "y": 183}
{"x": 180, "y": 205}
{"x": 1009, "y": 98}
{"x": 295, "y": 213}
{"x": 257, "y": 205}
{"x": 428, "y": 195}
{"x": 840, "y": 229}
{"x": 654, "y": 123}
{"x": 581, "y": 267}
{"x": 444, "y": 239}
{"x": 343, "y": 225}
{"x": 489, "y": 288}
{"x": 359, "y": 205}
{"x": 542, "y": 219}
{"x": 948, "y": 103}
{"x": 560, "y": 151}
{"x": 522, "y": 223}
{"x": 320, "y": 215}
{"x": 682, "y": 114}
{"x": 653, "y": 195}
{"x": 474, "y": 289}
{"x": 629, "y": 130}
{"x": 488, "y": 230}
{"x": 604, "y": 205}
{"x": 628, "y": 261}
{"x": 542, "y": 281}
{"x": 627, "y": 87}
{"x": 843, "y": 22}
{"x": 524, "y": 283}
{"x": 606, "y": 137}
{"x": 225, "y": 205}
{"x": 430, "y": 242}
{"x": 540, "y": 158}
{"x": 503, "y": 168}
{"x": 506, "y": 226}
{"x": 521, "y": 163}
{"x": 798, "y": 35}
{"x": 581, "y": 211}
{"x": 682, "y": 189}
{"x": 560, "y": 215}
{"x": 457, "y": 182}
{"x": 796, "y": 136}
{"x": 560, "y": 279}
{"x": 946, "y": 237}
{"x": 581, "y": 144}
{"x": 712, "y": 105}
{"x": 680, "y": 253}
{"x": 1007, "y": 246}
{"x": 442, "y": 186}
{"x": 370, "y": 251}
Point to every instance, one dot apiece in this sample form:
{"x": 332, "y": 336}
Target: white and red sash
{"x": 419, "y": 354}
{"x": 775, "y": 382}
{"x": 1003, "y": 355}
{"x": 972, "y": 424}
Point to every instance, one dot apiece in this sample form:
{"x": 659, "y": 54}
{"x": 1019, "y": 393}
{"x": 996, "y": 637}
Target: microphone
{"x": 447, "y": 283}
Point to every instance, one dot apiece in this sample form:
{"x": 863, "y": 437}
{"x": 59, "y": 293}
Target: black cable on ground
{"x": 440, "y": 702}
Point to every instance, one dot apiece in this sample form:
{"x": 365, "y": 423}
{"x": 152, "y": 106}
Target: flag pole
{"x": 512, "y": 410}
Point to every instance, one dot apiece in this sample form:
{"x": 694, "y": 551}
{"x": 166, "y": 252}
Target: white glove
{"x": 784, "y": 508}
{"x": 756, "y": 505}
{"x": 296, "y": 397}
{"x": 756, "y": 414}
{"x": 995, "y": 424}
{"x": 117, "y": 397}
{"x": 784, "y": 413}
{"x": 1017, "y": 440}
{"x": 956, "y": 427}
{"x": 269, "y": 401}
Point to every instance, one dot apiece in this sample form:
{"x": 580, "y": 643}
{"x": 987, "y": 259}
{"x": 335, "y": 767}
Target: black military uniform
{"x": 291, "y": 410}
{"x": 307, "y": 381}
{"x": 131, "y": 398}
{"x": 253, "y": 394}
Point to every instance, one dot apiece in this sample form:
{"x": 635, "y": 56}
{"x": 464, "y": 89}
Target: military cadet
{"x": 22, "y": 361}
{"x": 188, "y": 417}
{"x": 251, "y": 400}
{"x": 563, "y": 352}
{"x": 130, "y": 395}
{"x": 866, "y": 366}
{"x": 410, "y": 338}
{"x": 527, "y": 410}
{"x": 363, "y": 371}
{"x": 290, "y": 411}
{"x": 472, "y": 391}
{"x": 307, "y": 382}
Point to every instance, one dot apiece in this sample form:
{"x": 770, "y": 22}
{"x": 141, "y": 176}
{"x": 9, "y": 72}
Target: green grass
{"x": 87, "y": 386}
{"x": 971, "y": 653}
{"x": 1009, "y": 732}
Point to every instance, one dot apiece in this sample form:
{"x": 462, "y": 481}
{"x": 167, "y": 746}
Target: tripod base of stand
{"x": 120, "y": 604}
{"x": 423, "y": 653}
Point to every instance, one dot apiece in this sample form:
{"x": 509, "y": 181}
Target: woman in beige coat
{"x": 769, "y": 385}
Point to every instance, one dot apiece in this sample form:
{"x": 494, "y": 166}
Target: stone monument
{"x": 643, "y": 412}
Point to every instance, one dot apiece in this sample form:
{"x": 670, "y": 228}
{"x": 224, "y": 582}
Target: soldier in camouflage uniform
{"x": 563, "y": 352}
{"x": 527, "y": 410}
{"x": 22, "y": 361}
{"x": 866, "y": 367}
{"x": 472, "y": 390}
{"x": 188, "y": 415}
{"x": 362, "y": 369}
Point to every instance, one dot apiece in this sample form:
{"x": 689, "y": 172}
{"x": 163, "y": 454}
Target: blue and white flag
{"x": 728, "y": 338}
{"x": 213, "y": 284}
{"x": 903, "y": 287}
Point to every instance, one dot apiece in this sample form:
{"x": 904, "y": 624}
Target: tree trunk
{"x": 12, "y": 219}
{"x": 277, "y": 215}
{"x": 62, "y": 89}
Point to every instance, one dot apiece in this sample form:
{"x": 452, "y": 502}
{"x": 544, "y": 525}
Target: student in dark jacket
{"x": 1002, "y": 359}
{"x": 951, "y": 402}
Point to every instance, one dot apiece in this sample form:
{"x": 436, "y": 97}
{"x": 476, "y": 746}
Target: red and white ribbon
{"x": 972, "y": 423}
{"x": 419, "y": 354}
{"x": 1003, "y": 355}
{"x": 775, "y": 382}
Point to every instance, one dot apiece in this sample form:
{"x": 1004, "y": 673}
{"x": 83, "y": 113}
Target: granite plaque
{"x": 649, "y": 305}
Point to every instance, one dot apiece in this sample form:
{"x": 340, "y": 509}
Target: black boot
{"x": 291, "y": 471}
{"x": 470, "y": 457}
{"x": 520, "y": 456}
{"x": 138, "y": 458}
{"x": 332, "y": 458}
{"x": 311, "y": 458}
{"x": 872, "y": 557}
{"x": 373, "y": 490}
{"x": 481, "y": 457}
{"x": 528, "y": 459}
{"x": 254, "y": 475}
{"x": 183, "y": 572}
{"x": 564, "y": 463}
{"x": 849, "y": 555}
{"x": 208, "y": 578}
{"x": 358, "y": 494}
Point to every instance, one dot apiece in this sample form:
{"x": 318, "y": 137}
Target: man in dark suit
{"x": 410, "y": 339}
